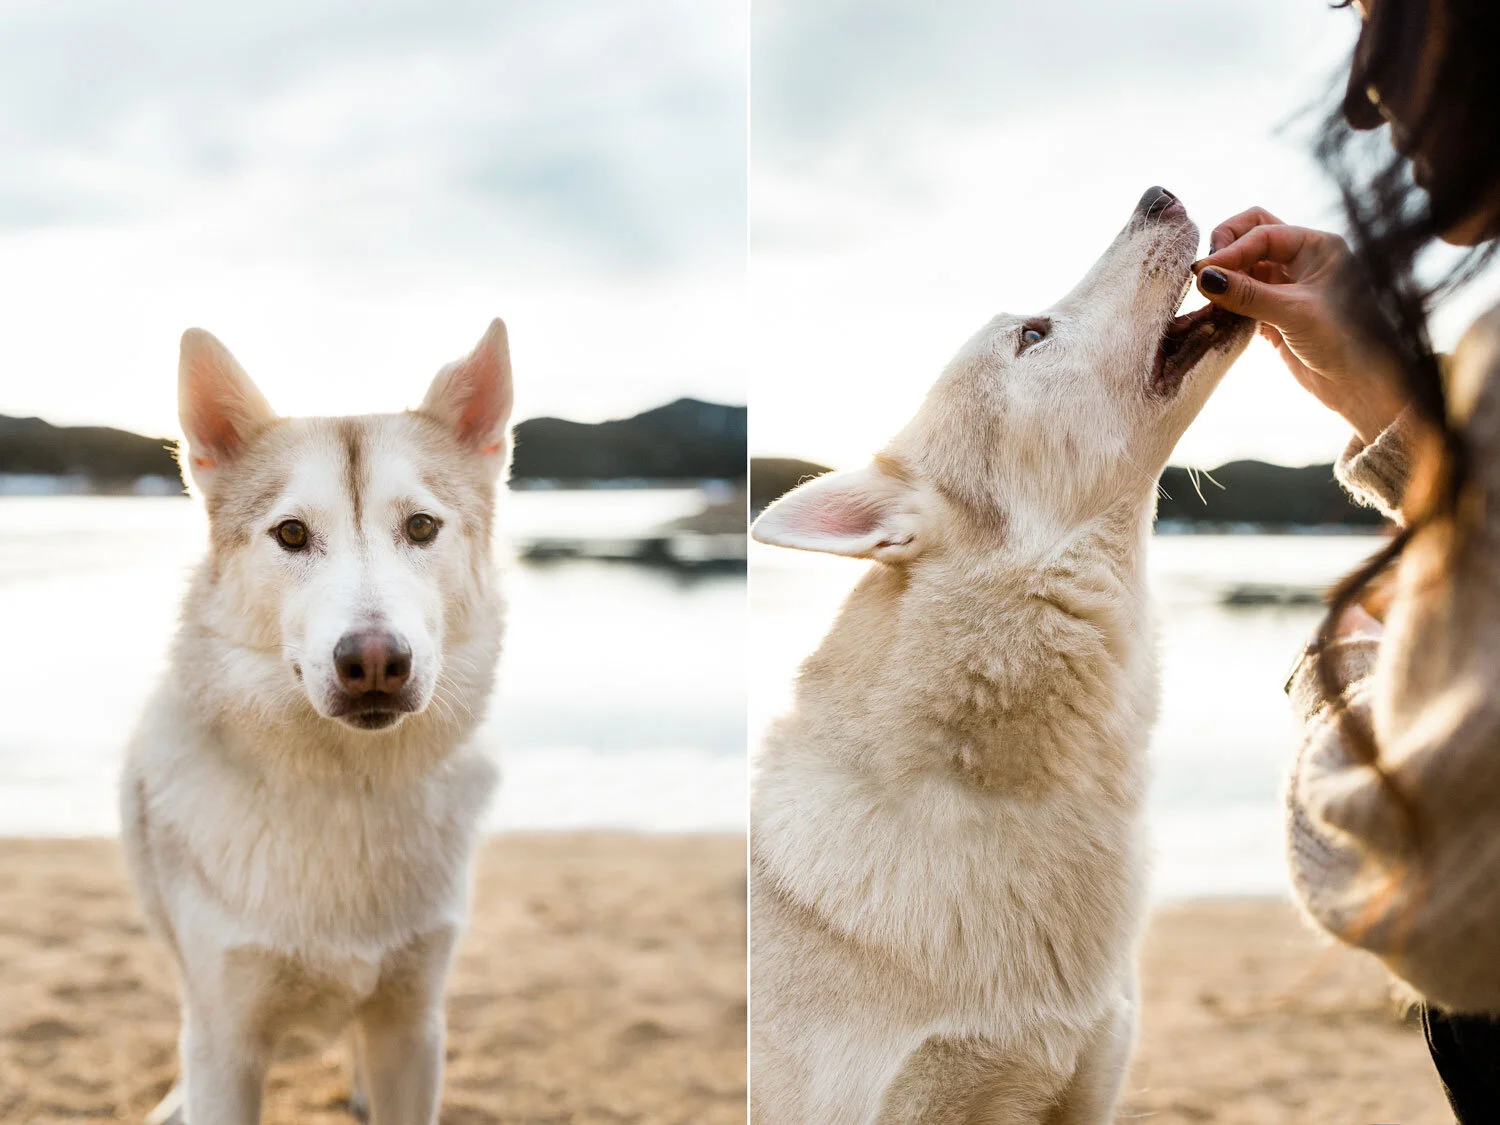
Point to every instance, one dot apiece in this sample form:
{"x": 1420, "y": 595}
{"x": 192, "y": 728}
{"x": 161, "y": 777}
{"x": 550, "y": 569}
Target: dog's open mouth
{"x": 1186, "y": 340}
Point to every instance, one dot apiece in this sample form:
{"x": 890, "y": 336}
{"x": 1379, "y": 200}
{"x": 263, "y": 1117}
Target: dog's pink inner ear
{"x": 861, "y": 514}
{"x": 840, "y": 514}
{"x": 482, "y": 410}
{"x": 474, "y": 395}
{"x": 213, "y": 433}
{"x": 218, "y": 405}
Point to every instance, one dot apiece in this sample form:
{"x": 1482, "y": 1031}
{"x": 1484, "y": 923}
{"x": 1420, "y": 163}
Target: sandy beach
{"x": 1249, "y": 1018}
{"x": 602, "y": 981}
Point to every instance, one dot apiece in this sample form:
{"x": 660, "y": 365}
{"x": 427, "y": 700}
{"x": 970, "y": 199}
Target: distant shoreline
{"x": 77, "y": 484}
{"x": 1240, "y": 497}
{"x": 683, "y": 440}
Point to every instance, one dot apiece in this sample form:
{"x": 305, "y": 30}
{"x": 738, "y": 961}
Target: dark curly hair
{"x": 1426, "y": 70}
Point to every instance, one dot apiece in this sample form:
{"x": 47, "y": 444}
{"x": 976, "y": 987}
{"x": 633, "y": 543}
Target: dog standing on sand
{"x": 947, "y": 856}
{"x": 302, "y": 799}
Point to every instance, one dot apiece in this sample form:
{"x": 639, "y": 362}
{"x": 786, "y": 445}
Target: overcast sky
{"x": 346, "y": 193}
{"x": 916, "y": 168}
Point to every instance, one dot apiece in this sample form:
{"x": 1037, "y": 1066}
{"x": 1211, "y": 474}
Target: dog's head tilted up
{"x": 1041, "y": 422}
{"x": 348, "y": 581}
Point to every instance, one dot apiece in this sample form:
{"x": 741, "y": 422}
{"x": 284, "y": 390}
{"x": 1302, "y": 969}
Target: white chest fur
{"x": 336, "y": 873}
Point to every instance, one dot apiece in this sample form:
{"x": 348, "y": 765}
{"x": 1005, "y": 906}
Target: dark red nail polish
{"x": 1212, "y": 281}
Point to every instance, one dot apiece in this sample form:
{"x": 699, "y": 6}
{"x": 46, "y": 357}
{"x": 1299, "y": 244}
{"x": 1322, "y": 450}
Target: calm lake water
{"x": 621, "y": 699}
{"x": 1226, "y": 734}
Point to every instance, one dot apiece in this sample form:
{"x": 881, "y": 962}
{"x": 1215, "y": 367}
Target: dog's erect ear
{"x": 473, "y": 397}
{"x": 865, "y": 513}
{"x": 219, "y": 407}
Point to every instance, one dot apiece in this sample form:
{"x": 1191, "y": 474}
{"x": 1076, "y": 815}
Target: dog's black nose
{"x": 371, "y": 660}
{"x": 1157, "y": 201}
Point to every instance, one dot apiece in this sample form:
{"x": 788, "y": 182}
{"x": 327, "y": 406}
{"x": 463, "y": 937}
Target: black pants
{"x": 1466, "y": 1052}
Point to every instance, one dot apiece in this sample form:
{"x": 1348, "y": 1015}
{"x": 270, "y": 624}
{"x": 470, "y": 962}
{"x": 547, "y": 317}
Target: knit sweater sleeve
{"x": 1326, "y": 845}
{"x": 1403, "y": 865}
{"x": 1376, "y": 475}
{"x": 1326, "y": 863}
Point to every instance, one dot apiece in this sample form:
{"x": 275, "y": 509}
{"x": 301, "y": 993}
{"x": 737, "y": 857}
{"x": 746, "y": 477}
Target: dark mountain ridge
{"x": 106, "y": 456}
{"x": 1240, "y": 492}
{"x": 683, "y": 440}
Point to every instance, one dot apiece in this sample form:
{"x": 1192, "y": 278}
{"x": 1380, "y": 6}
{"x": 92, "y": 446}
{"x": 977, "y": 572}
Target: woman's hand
{"x": 1284, "y": 277}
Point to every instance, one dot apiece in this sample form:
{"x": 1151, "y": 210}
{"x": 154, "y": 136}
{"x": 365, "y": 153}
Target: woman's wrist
{"x": 1371, "y": 416}
{"x": 1374, "y": 401}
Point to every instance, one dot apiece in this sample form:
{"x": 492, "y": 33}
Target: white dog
{"x": 947, "y": 863}
{"x": 301, "y": 802}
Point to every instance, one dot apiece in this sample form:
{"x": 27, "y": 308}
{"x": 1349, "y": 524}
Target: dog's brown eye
{"x": 292, "y": 534}
{"x": 421, "y": 528}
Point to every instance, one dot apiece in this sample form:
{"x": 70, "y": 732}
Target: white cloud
{"x": 347, "y": 193}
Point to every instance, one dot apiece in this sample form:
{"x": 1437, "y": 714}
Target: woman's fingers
{"x": 1257, "y": 274}
{"x": 1272, "y": 273}
{"x": 1232, "y": 229}
{"x": 1279, "y": 243}
{"x": 1243, "y": 294}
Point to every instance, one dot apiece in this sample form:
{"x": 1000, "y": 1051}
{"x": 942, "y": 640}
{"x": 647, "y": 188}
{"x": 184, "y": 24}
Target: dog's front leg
{"x": 1095, "y": 1087}
{"x": 359, "y": 1083}
{"x": 402, "y": 1029}
{"x": 404, "y": 1075}
{"x": 224, "y": 1073}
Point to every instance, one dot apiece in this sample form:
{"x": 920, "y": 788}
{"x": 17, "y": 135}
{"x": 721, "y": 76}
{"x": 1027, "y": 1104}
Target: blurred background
{"x": 916, "y": 169}
{"x": 346, "y": 194}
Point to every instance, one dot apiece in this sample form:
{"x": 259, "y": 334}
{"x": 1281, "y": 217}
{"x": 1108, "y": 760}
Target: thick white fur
{"x": 302, "y": 871}
{"x": 947, "y": 855}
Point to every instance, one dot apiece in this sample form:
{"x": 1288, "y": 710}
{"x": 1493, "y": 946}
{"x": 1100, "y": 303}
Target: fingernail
{"x": 1212, "y": 281}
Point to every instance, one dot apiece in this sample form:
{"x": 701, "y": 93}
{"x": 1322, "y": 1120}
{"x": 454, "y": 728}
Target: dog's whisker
{"x": 441, "y": 693}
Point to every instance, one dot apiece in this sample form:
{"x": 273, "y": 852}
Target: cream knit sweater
{"x": 1430, "y": 689}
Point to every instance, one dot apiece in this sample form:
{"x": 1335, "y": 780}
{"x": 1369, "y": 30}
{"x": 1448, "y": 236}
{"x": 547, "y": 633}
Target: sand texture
{"x": 1250, "y": 1017}
{"x": 602, "y": 980}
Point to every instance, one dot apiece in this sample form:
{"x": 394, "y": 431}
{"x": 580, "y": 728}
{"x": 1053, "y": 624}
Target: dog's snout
{"x": 1156, "y": 202}
{"x": 372, "y": 660}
